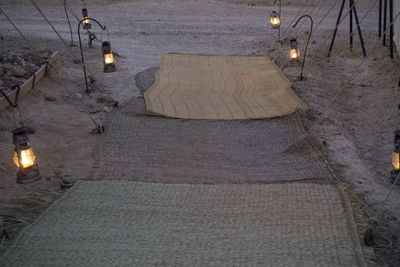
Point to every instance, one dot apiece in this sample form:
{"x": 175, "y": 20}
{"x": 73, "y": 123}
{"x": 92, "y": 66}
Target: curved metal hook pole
{"x": 80, "y": 46}
{"x": 308, "y": 41}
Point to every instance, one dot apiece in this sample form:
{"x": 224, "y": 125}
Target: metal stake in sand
{"x": 86, "y": 20}
{"x": 308, "y": 41}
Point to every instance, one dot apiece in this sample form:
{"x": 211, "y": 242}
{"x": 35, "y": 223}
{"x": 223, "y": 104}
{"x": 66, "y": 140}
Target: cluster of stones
{"x": 17, "y": 67}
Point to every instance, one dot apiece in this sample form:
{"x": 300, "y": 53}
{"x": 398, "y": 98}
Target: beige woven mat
{"x": 220, "y": 87}
{"x": 115, "y": 223}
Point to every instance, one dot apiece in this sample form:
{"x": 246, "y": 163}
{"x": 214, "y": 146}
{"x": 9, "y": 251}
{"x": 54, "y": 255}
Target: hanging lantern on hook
{"x": 275, "y": 20}
{"x": 294, "y": 52}
{"x": 86, "y": 21}
{"x": 108, "y": 58}
{"x": 24, "y": 158}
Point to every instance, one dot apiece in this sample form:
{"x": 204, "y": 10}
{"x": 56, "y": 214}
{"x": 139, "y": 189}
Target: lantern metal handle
{"x": 80, "y": 46}
{"x": 308, "y": 40}
{"x": 108, "y": 36}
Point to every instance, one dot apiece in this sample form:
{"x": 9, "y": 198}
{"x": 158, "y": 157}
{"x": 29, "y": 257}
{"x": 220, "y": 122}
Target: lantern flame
{"x": 25, "y": 159}
{"x": 109, "y": 58}
{"x": 294, "y": 53}
{"x": 275, "y": 21}
{"x": 396, "y": 160}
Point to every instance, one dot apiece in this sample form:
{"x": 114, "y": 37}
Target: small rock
{"x": 99, "y": 129}
{"x": 79, "y": 96}
{"x": 8, "y": 66}
{"x": 44, "y": 55}
{"x": 105, "y": 99}
{"x": 36, "y": 59}
{"x": 22, "y": 62}
{"x": 77, "y": 61}
{"x": 107, "y": 109}
{"x": 67, "y": 183}
{"x": 19, "y": 71}
{"x": 50, "y": 98}
{"x": 369, "y": 237}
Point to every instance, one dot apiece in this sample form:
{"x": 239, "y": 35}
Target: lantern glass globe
{"x": 294, "y": 53}
{"x": 396, "y": 160}
{"x": 274, "y": 20}
{"x": 109, "y": 58}
{"x": 25, "y": 158}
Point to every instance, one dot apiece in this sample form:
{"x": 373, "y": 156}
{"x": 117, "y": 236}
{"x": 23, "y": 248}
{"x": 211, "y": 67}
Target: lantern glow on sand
{"x": 274, "y": 20}
{"x": 24, "y": 158}
{"x": 294, "y": 52}
{"x": 86, "y": 21}
{"x": 108, "y": 58}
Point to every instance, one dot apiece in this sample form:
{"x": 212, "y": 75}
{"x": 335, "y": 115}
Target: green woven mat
{"x": 122, "y": 223}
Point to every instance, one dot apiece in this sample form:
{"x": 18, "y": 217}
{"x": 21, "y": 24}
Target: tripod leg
{"x": 384, "y": 21}
{"x": 391, "y": 27}
{"x": 380, "y": 19}
{"x": 359, "y": 31}
{"x": 351, "y": 24}
{"x": 336, "y": 28}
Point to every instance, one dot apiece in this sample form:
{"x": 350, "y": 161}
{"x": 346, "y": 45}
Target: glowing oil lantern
{"x": 108, "y": 58}
{"x": 86, "y": 20}
{"x": 294, "y": 52}
{"x": 24, "y": 158}
{"x": 394, "y": 174}
{"x": 396, "y": 159}
{"x": 396, "y": 151}
{"x": 274, "y": 20}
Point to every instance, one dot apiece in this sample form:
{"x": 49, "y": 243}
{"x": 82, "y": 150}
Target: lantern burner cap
{"x": 20, "y": 130}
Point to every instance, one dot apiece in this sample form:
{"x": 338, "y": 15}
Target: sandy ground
{"x": 354, "y": 100}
